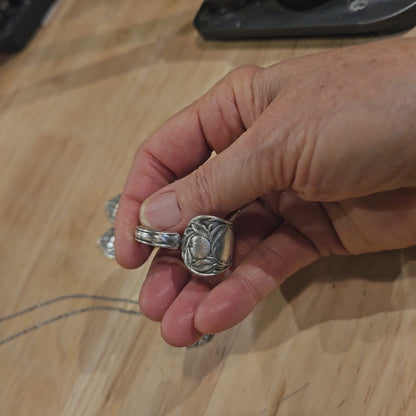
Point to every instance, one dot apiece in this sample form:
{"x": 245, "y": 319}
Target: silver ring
{"x": 207, "y": 244}
{"x": 161, "y": 239}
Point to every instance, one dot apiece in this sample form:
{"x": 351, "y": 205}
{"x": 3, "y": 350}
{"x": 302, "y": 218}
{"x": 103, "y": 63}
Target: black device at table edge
{"x": 250, "y": 19}
{"x": 244, "y": 19}
{"x": 19, "y": 20}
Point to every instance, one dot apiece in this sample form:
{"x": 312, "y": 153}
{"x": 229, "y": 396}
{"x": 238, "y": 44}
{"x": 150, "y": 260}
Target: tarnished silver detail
{"x": 207, "y": 245}
{"x": 204, "y": 340}
{"x": 157, "y": 238}
{"x": 111, "y": 207}
{"x": 106, "y": 243}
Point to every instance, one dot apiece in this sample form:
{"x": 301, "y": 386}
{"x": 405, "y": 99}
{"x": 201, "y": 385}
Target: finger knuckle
{"x": 241, "y": 249}
{"x": 199, "y": 190}
{"x": 244, "y": 71}
{"x": 273, "y": 263}
{"x": 271, "y": 255}
{"x": 251, "y": 289}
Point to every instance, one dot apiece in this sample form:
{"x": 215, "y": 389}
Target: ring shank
{"x": 169, "y": 240}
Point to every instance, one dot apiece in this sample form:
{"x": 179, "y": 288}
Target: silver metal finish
{"x": 204, "y": 340}
{"x": 161, "y": 239}
{"x": 207, "y": 245}
{"x": 111, "y": 207}
{"x": 73, "y": 312}
{"x": 106, "y": 243}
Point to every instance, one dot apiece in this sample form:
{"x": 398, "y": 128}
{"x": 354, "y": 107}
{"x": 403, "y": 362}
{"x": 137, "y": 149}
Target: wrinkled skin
{"x": 319, "y": 151}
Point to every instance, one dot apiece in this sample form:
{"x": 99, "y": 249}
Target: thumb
{"x": 230, "y": 180}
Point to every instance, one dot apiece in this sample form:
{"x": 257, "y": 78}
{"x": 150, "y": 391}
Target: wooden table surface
{"x": 338, "y": 338}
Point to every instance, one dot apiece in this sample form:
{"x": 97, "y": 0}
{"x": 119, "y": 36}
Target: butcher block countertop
{"x": 338, "y": 338}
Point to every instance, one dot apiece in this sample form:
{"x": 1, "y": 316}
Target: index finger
{"x": 182, "y": 144}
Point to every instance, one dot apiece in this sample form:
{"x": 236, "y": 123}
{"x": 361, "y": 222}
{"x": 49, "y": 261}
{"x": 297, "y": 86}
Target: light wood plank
{"x": 337, "y": 339}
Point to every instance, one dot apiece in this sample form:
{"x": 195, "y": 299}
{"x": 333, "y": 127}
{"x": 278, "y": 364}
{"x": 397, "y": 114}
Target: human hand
{"x": 320, "y": 151}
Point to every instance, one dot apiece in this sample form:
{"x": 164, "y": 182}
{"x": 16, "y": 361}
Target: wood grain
{"x": 337, "y": 339}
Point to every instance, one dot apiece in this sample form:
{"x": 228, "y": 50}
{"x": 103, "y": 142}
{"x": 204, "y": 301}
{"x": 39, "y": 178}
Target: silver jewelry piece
{"x": 111, "y": 208}
{"x": 106, "y": 243}
{"x": 157, "y": 238}
{"x": 204, "y": 340}
{"x": 207, "y": 244}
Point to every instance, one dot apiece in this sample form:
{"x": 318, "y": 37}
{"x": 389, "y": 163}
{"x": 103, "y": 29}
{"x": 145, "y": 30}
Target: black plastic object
{"x": 19, "y": 20}
{"x": 302, "y": 18}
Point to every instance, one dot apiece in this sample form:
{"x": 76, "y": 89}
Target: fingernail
{"x": 160, "y": 211}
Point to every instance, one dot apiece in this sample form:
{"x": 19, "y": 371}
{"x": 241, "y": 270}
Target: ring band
{"x": 207, "y": 244}
{"x": 161, "y": 239}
